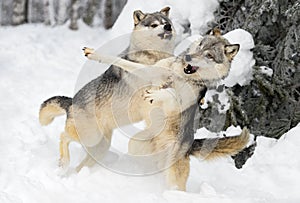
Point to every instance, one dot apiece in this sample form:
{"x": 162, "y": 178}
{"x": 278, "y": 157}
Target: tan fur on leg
{"x": 64, "y": 150}
{"x": 96, "y": 153}
{"x": 138, "y": 146}
{"x": 178, "y": 173}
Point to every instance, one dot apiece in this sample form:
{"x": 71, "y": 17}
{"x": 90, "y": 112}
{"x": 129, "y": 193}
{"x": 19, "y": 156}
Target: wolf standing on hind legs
{"x": 182, "y": 80}
{"x": 90, "y": 114}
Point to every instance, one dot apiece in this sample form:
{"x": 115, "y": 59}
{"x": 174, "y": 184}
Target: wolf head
{"x": 211, "y": 57}
{"x": 153, "y": 31}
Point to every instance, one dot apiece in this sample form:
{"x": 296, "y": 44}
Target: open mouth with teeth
{"x": 166, "y": 35}
{"x": 189, "y": 69}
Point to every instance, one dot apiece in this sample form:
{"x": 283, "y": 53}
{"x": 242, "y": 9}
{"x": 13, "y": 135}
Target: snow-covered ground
{"x": 38, "y": 62}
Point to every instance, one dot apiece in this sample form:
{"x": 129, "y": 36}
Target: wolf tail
{"x": 55, "y": 106}
{"x": 218, "y": 147}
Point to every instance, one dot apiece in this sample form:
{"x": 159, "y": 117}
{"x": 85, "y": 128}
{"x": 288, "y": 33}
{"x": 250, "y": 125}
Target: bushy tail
{"x": 55, "y": 106}
{"x": 218, "y": 147}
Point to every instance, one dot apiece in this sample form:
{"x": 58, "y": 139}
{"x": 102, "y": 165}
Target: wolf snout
{"x": 168, "y": 27}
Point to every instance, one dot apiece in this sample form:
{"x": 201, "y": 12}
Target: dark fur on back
{"x": 103, "y": 84}
{"x": 64, "y": 102}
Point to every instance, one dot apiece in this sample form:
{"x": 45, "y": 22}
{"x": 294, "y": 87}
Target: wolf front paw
{"x": 150, "y": 95}
{"x": 88, "y": 51}
{"x": 167, "y": 97}
{"x": 154, "y": 95}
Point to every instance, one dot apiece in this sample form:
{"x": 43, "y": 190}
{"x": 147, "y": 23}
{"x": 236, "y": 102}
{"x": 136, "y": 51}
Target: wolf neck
{"x": 149, "y": 52}
{"x": 209, "y": 76}
{"x": 148, "y": 57}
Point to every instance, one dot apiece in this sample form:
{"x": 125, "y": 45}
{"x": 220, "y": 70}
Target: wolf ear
{"x": 231, "y": 50}
{"x": 165, "y": 11}
{"x": 216, "y": 32}
{"x": 138, "y": 15}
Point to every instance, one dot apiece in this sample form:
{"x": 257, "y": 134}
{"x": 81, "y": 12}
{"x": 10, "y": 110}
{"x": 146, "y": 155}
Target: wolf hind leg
{"x": 178, "y": 173}
{"x": 95, "y": 153}
{"x": 88, "y": 161}
{"x": 64, "y": 159}
{"x": 140, "y": 143}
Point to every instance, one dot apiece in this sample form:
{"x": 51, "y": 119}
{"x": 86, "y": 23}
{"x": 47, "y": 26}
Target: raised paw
{"x": 153, "y": 95}
{"x": 148, "y": 96}
{"x": 166, "y": 97}
{"x": 88, "y": 51}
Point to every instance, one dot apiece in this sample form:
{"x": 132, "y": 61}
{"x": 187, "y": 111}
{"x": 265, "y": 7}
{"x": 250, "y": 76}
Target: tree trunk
{"x": 35, "y": 11}
{"x": 47, "y": 13}
{"x": 62, "y": 10}
{"x": 108, "y": 14}
{"x": 19, "y": 15}
{"x": 112, "y": 9}
{"x": 6, "y": 12}
{"x": 74, "y": 15}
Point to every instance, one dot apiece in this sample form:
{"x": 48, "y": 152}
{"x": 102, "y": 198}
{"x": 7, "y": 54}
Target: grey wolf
{"x": 174, "y": 84}
{"x": 90, "y": 116}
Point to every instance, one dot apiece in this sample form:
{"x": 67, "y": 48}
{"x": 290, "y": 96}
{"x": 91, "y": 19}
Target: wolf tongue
{"x": 190, "y": 69}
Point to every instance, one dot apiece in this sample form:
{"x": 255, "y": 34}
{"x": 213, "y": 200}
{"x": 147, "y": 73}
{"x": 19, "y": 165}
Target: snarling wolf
{"x": 90, "y": 119}
{"x": 176, "y": 84}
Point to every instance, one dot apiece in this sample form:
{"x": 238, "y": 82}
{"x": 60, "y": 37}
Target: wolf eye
{"x": 209, "y": 56}
{"x": 154, "y": 25}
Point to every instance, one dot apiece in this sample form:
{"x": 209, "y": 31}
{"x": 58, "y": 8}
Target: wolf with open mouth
{"x": 175, "y": 85}
{"x": 146, "y": 47}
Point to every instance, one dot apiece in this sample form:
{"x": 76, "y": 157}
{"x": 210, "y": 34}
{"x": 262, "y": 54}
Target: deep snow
{"x": 38, "y": 62}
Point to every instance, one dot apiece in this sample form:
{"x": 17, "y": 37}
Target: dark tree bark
{"x": 74, "y": 15}
{"x": 47, "y": 15}
{"x": 269, "y": 106}
{"x": 35, "y": 11}
{"x": 62, "y": 10}
{"x": 112, "y": 9}
{"x": 19, "y": 15}
{"x": 108, "y": 14}
{"x": 90, "y": 12}
{"x": 6, "y": 12}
